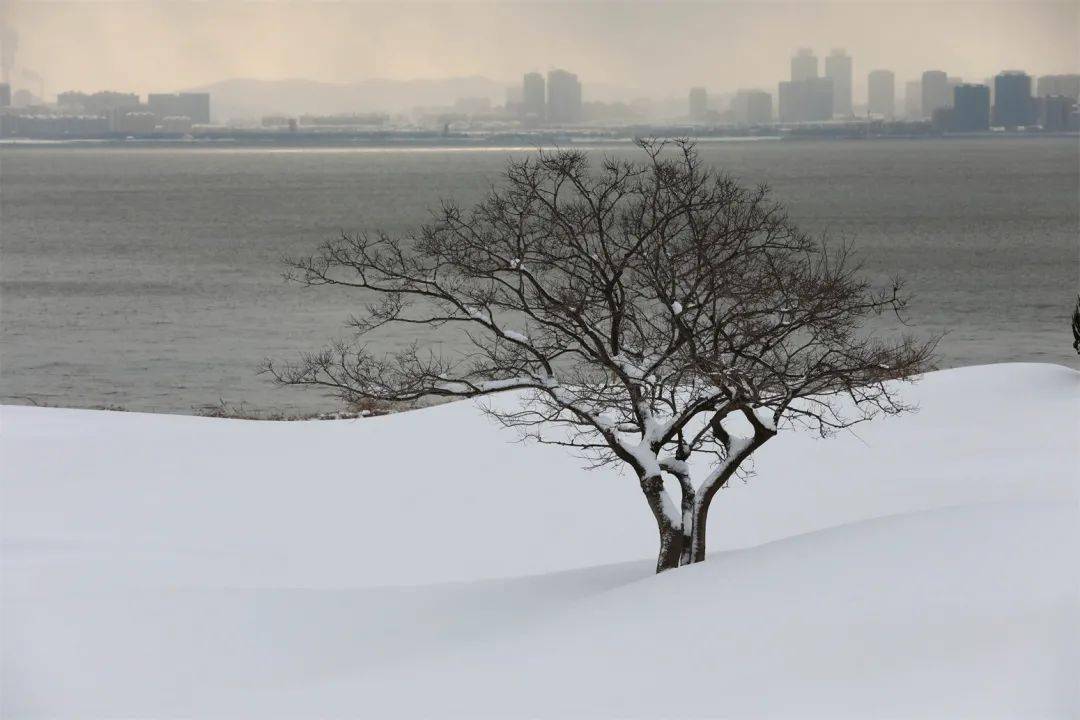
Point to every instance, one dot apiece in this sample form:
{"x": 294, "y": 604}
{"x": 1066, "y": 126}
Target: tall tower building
{"x": 881, "y": 93}
{"x": 564, "y": 97}
{"x": 1013, "y": 106}
{"x": 800, "y": 100}
{"x": 533, "y": 97}
{"x": 838, "y": 68}
{"x": 935, "y": 92}
{"x": 803, "y": 65}
{"x": 699, "y": 103}
{"x": 971, "y": 107}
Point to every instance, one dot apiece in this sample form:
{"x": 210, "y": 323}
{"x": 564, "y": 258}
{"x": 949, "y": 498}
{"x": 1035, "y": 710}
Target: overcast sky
{"x": 661, "y": 49}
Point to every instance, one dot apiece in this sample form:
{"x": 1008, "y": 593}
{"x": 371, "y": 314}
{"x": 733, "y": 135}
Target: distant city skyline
{"x": 148, "y": 46}
{"x": 947, "y": 101}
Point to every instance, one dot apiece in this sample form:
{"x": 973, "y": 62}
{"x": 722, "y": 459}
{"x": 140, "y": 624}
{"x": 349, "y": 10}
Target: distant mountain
{"x": 246, "y": 98}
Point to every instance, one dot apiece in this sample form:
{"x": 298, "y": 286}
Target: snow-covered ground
{"x": 427, "y": 565}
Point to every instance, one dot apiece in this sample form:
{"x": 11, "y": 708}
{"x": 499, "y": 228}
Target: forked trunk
{"x": 680, "y": 543}
{"x": 682, "y": 539}
{"x": 685, "y": 545}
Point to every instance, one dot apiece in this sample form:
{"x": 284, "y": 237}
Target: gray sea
{"x": 150, "y": 278}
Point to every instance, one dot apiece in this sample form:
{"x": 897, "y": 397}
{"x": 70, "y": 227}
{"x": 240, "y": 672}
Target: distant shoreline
{"x": 334, "y": 409}
{"x": 508, "y": 141}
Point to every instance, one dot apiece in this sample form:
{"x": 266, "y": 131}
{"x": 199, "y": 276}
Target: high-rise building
{"x": 1067, "y": 85}
{"x": 971, "y": 108}
{"x": 193, "y": 105}
{"x": 197, "y": 105}
{"x": 1013, "y": 106}
{"x": 533, "y": 97}
{"x": 1058, "y": 112}
{"x": 803, "y": 65}
{"x": 806, "y": 100}
{"x": 838, "y": 69}
{"x": 564, "y": 97}
{"x": 5, "y": 95}
{"x": 881, "y": 93}
{"x": 819, "y": 97}
{"x": 935, "y": 92}
{"x": 752, "y": 107}
{"x": 699, "y": 103}
{"x": 913, "y": 100}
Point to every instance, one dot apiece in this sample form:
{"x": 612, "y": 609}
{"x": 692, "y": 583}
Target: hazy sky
{"x": 660, "y": 48}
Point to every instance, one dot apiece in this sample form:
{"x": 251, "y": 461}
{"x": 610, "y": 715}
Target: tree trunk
{"x": 697, "y": 533}
{"x": 687, "y": 531}
{"x": 671, "y": 545}
{"x": 671, "y": 550}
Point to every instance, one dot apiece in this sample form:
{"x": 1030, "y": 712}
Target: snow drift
{"x": 424, "y": 564}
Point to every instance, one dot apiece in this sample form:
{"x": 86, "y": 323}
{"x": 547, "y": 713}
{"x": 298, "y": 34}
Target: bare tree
{"x": 649, "y": 313}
